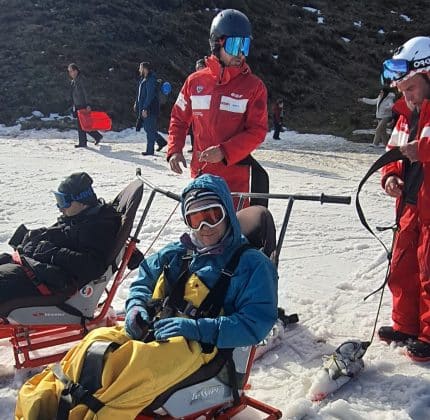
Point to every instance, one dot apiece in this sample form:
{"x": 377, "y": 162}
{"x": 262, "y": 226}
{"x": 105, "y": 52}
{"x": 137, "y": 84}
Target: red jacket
{"x": 227, "y": 106}
{"x": 399, "y": 137}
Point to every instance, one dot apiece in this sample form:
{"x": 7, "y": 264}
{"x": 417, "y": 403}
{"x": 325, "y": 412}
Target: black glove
{"x": 45, "y": 252}
{"x": 18, "y": 236}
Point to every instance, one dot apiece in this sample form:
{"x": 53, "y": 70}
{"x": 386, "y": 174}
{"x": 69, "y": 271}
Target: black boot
{"x": 388, "y": 334}
{"x": 418, "y": 350}
{"x": 160, "y": 144}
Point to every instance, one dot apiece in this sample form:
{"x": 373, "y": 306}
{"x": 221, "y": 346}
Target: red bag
{"x": 94, "y": 120}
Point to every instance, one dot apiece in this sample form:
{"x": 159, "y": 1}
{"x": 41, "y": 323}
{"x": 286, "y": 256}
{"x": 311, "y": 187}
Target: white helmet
{"x": 411, "y": 58}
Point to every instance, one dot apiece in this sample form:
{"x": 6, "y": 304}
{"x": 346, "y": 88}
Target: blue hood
{"x": 217, "y": 185}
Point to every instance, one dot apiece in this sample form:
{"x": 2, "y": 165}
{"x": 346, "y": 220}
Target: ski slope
{"x": 328, "y": 262}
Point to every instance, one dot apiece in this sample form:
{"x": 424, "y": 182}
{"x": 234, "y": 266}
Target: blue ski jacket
{"x": 250, "y": 305}
{"x": 147, "y": 95}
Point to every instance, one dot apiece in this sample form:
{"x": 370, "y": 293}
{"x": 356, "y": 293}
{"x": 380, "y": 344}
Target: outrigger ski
{"x": 345, "y": 363}
{"x": 347, "y": 360}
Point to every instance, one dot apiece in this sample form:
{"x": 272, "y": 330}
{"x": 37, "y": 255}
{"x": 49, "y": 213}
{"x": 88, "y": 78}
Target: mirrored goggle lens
{"x": 394, "y": 69}
{"x": 209, "y": 216}
{"x": 63, "y": 200}
{"x": 236, "y": 45}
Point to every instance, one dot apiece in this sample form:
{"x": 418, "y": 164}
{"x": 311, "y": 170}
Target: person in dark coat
{"x": 277, "y": 110}
{"x": 80, "y": 101}
{"x": 62, "y": 258}
{"x": 147, "y": 108}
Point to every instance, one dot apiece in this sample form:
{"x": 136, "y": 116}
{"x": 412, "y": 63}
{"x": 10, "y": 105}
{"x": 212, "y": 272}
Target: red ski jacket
{"x": 399, "y": 137}
{"x": 227, "y": 106}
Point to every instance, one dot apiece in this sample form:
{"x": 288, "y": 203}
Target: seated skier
{"x": 171, "y": 326}
{"x": 61, "y": 258}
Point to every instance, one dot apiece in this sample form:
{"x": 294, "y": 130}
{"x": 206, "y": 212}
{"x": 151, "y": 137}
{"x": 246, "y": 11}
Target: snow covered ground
{"x": 327, "y": 265}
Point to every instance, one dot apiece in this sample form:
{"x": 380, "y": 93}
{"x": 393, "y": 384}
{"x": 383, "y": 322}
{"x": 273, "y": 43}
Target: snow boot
{"x": 388, "y": 334}
{"x": 418, "y": 350}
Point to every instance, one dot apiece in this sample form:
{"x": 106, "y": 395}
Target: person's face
{"x": 72, "y": 73}
{"x": 231, "y": 60}
{"x": 75, "y": 208}
{"x": 206, "y": 235}
{"x": 415, "y": 90}
{"x": 143, "y": 71}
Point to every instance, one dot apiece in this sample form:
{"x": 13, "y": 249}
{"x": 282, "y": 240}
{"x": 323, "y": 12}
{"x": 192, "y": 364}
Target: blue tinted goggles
{"x": 64, "y": 200}
{"x": 394, "y": 70}
{"x": 235, "y": 45}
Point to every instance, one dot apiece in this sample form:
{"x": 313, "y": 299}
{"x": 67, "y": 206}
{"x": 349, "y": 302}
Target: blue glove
{"x": 175, "y": 327}
{"x": 136, "y": 322}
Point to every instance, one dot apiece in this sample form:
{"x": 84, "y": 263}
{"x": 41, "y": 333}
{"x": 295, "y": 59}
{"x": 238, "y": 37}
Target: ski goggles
{"x": 64, "y": 200}
{"x": 394, "y": 69}
{"x": 234, "y": 45}
{"x": 210, "y": 215}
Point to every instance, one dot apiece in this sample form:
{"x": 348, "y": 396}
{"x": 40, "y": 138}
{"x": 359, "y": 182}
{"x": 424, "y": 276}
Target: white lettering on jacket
{"x": 400, "y": 136}
{"x": 181, "y": 102}
{"x": 233, "y": 105}
{"x": 425, "y": 131}
{"x": 201, "y": 101}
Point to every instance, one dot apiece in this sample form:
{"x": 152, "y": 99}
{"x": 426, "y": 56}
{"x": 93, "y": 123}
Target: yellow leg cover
{"x": 133, "y": 376}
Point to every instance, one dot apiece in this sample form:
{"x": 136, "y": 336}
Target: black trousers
{"x": 277, "y": 130}
{"x": 83, "y": 135}
{"x": 14, "y": 283}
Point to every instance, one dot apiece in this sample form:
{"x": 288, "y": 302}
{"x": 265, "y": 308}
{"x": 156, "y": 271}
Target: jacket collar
{"x": 222, "y": 74}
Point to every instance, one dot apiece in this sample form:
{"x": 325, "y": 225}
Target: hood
{"x": 217, "y": 185}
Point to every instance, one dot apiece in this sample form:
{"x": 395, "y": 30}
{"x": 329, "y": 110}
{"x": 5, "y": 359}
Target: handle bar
{"x": 169, "y": 194}
{"x": 323, "y": 198}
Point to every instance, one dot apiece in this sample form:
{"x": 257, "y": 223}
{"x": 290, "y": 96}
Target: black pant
{"x": 14, "y": 283}
{"x": 277, "y": 130}
{"x": 83, "y": 135}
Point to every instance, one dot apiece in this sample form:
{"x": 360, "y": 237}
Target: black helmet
{"x": 229, "y": 22}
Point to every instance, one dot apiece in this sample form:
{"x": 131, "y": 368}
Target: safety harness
{"x": 81, "y": 392}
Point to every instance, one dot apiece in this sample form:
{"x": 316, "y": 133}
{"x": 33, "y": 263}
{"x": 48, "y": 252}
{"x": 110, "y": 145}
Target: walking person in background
{"x": 277, "y": 110}
{"x": 384, "y": 102}
{"x": 80, "y": 101}
{"x": 200, "y": 64}
{"x": 225, "y": 104}
{"x": 147, "y": 108}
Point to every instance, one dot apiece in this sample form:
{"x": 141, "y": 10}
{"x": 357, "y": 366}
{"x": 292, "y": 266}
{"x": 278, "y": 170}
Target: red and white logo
{"x": 86, "y": 291}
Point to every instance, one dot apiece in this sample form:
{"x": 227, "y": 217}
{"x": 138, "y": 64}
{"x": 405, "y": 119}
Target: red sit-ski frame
{"x": 29, "y": 338}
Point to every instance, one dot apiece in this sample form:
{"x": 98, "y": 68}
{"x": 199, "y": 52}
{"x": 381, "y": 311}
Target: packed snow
{"x": 328, "y": 263}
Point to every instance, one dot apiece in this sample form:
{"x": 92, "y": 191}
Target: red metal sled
{"x": 94, "y": 120}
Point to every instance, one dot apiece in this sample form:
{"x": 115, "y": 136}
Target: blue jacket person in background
{"x": 147, "y": 108}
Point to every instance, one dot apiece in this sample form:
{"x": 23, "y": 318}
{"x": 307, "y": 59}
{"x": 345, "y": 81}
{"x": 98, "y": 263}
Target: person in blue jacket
{"x": 147, "y": 108}
{"x": 250, "y": 304}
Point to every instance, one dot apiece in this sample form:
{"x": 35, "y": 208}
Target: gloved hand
{"x": 136, "y": 322}
{"x": 45, "y": 252}
{"x": 175, "y": 327}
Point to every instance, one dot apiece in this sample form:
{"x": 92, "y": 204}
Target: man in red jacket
{"x": 225, "y": 103}
{"x": 409, "y": 182}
